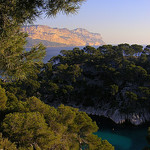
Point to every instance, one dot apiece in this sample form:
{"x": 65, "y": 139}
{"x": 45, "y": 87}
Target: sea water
{"x": 125, "y": 138}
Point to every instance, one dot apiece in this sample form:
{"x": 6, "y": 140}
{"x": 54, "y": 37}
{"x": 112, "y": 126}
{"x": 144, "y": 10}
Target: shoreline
{"x": 134, "y": 118}
{"x": 103, "y": 121}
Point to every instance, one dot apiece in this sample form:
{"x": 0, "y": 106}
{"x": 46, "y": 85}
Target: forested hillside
{"x": 115, "y": 79}
{"x": 110, "y": 80}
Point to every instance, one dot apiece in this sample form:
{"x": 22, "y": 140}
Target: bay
{"x": 122, "y": 136}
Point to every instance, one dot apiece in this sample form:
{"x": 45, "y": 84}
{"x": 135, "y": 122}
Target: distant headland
{"x": 63, "y": 37}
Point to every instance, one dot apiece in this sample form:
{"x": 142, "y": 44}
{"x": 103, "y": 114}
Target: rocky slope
{"x": 136, "y": 118}
{"x": 54, "y": 37}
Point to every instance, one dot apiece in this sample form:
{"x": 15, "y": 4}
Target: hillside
{"x": 54, "y": 37}
{"x": 110, "y": 81}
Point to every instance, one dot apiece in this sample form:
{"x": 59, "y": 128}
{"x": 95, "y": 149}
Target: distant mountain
{"x": 54, "y": 37}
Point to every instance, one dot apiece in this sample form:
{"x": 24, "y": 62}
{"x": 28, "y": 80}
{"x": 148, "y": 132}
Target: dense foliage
{"x": 89, "y": 77}
{"x": 31, "y": 124}
{"x": 26, "y": 123}
{"x": 118, "y": 76}
{"x": 114, "y": 75}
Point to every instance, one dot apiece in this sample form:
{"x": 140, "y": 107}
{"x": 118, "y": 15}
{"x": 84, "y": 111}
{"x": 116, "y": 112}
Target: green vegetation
{"x": 88, "y": 77}
{"x": 15, "y": 61}
{"x": 31, "y": 124}
{"x": 114, "y": 75}
{"x": 26, "y": 123}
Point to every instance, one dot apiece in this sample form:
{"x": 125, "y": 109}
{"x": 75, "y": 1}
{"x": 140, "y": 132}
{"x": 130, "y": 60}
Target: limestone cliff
{"x": 54, "y": 37}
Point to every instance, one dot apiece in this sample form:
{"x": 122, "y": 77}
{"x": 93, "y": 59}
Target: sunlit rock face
{"x": 62, "y": 37}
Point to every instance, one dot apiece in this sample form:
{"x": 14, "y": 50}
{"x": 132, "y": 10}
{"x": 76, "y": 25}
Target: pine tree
{"x": 15, "y": 61}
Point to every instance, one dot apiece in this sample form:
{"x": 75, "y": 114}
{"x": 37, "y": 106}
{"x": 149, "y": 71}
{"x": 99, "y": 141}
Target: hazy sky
{"x": 118, "y": 21}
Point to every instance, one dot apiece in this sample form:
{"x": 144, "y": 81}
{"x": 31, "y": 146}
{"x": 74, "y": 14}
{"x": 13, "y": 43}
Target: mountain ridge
{"x": 57, "y": 37}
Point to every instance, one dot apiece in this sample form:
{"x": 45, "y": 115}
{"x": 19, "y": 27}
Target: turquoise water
{"x": 125, "y": 138}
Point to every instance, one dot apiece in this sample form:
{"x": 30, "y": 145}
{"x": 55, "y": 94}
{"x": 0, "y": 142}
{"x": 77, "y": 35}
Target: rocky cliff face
{"x": 136, "y": 118}
{"x": 61, "y": 37}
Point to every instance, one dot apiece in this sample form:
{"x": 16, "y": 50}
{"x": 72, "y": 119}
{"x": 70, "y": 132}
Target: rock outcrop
{"x": 135, "y": 118}
{"x": 54, "y": 37}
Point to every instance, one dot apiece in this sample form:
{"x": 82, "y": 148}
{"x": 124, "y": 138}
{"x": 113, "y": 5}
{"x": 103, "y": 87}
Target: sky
{"x": 118, "y": 21}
